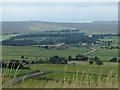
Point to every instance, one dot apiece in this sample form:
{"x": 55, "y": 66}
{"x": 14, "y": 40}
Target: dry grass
{"x": 83, "y": 81}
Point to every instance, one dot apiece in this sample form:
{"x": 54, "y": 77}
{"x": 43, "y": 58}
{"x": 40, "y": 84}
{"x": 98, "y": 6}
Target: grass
{"x": 114, "y": 40}
{"x": 80, "y": 67}
{"x": 4, "y": 37}
{"x": 11, "y": 72}
{"x": 105, "y": 54}
{"x": 34, "y": 83}
{"x": 15, "y": 52}
{"x": 33, "y": 38}
{"x": 81, "y": 75}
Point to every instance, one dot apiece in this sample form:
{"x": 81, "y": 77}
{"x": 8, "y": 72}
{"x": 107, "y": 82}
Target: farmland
{"x": 72, "y": 74}
{"x": 77, "y": 48}
{"x": 15, "y": 52}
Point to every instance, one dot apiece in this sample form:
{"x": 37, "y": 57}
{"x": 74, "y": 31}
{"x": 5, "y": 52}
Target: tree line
{"x": 24, "y": 64}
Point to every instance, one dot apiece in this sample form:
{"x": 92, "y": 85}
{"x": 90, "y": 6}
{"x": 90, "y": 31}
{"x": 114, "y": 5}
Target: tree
{"x": 26, "y": 57}
{"x": 46, "y": 47}
{"x": 91, "y": 62}
{"x": 119, "y": 60}
{"x": 23, "y": 61}
{"x": 114, "y": 59}
{"x": 40, "y": 61}
{"x": 117, "y": 47}
{"x": 96, "y": 58}
{"x": 22, "y": 57}
{"x": 69, "y": 58}
{"x": 58, "y": 60}
{"x": 84, "y": 58}
{"x": 81, "y": 58}
{"x": 32, "y": 62}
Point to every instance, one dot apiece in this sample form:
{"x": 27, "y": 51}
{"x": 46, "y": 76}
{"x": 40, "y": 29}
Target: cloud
{"x": 70, "y": 12}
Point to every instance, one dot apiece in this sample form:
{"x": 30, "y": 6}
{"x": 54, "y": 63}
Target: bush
{"x": 81, "y": 58}
{"x": 91, "y": 62}
{"x": 58, "y": 60}
{"x": 99, "y": 62}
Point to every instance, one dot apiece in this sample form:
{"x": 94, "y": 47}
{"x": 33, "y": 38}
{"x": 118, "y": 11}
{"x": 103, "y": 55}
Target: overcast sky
{"x": 60, "y": 12}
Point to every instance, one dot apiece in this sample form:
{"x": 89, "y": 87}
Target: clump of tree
{"x": 23, "y": 57}
{"x": 39, "y": 61}
{"x": 91, "y": 62}
{"x": 78, "y": 58}
{"x": 109, "y": 47}
{"x": 81, "y": 58}
{"x": 99, "y": 62}
{"x": 2, "y": 64}
{"x": 96, "y": 60}
{"x": 16, "y": 64}
{"x": 114, "y": 59}
{"x": 58, "y": 60}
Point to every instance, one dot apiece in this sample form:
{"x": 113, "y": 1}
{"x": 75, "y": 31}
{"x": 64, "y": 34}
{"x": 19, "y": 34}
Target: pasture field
{"x": 114, "y": 40}
{"x": 104, "y": 54}
{"x": 4, "y": 37}
{"x": 32, "y": 52}
{"x": 15, "y": 52}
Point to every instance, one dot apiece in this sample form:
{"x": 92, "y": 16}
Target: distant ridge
{"x": 37, "y": 26}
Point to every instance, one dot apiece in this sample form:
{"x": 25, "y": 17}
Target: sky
{"x": 59, "y": 11}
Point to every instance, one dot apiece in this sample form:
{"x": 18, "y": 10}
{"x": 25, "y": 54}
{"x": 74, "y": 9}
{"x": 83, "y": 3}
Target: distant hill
{"x": 37, "y": 26}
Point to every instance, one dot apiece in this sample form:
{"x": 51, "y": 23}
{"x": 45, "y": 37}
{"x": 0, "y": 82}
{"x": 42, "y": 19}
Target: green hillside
{"x": 37, "y": 26}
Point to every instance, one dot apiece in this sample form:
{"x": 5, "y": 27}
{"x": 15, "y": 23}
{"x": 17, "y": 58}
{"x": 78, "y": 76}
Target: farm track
{"x": 23, "y": 77}
{"x": 93, "y": 50}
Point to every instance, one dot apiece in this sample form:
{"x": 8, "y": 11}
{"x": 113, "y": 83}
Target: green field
{"x": 4, "y": 37}
{"x": 104, "y": 54}
{"x": 114, "y": 40}
{"x": 15, "y": 52}
{"x": 79, "y": 68}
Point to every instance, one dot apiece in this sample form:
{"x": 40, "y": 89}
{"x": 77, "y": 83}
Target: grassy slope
{"x": 14, "y": 72}
{"x": 56, "y": 78}
{"x": 80, "y": 67}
